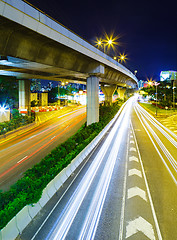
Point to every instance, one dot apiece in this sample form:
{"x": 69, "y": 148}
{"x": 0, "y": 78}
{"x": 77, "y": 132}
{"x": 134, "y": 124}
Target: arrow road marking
{"x": 134, "y": 172}
{"x": 136, "y": 191}
{"x": 133, "y": 149}
{"x": 140, "y": 225}
{"x": 133, "y": 158}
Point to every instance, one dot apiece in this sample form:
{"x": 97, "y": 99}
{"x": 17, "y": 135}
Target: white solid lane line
{"x": 95, "y": 209}
{"x": 170, "y": 158}
{"x": 148, "y": 191}
{"x": 67, "y": 216}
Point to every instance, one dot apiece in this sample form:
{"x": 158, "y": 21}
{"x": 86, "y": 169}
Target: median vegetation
{"x": 28, "y": 190}
{"x": 18, "y": 120}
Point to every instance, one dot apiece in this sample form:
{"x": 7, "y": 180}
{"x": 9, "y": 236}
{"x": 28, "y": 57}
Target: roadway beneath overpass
{"x": 35, "y": 46}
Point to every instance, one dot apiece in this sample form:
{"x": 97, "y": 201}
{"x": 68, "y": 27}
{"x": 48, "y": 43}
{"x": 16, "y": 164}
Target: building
{"x": 140, "y": 84}
{"x": 168, "y": 76}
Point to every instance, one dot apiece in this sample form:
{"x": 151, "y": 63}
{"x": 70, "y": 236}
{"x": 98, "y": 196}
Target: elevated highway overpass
{"x": 35, "y": 46}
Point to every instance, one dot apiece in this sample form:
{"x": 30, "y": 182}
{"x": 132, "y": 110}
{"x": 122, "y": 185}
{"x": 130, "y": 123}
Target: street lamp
{"x": 107, "y": 42}
{"x": 156, "y": 84}
{"x": 121, "y": 57}
{"x": 150, "y": 82}
{"x": 173, "y": 94}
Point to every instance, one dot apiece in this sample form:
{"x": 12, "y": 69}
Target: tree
{"x": 164, "y": 93}
{"x": 9, "y": 91}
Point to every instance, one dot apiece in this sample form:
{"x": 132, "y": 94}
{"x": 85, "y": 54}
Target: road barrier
{"x": 24, "y": 217}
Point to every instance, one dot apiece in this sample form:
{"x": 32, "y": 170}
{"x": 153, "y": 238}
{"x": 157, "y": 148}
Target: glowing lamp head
{"x": 109, "y": 41}
{"x": 2, "y": 109}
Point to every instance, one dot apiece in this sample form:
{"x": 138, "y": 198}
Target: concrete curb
{"x": 25, "y": 216}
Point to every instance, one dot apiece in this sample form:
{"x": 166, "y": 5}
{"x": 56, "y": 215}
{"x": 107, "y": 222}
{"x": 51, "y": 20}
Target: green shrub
{"x": 28, "y": 190}
{"x": 17, "y": 121}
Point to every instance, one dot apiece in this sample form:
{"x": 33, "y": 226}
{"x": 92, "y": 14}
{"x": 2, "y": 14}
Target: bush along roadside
{"x": 28, "y": 190}
{"x": 17, "y": 121}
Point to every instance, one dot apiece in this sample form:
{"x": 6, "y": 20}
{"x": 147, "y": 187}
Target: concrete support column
{"x": 121, "y": 92}
{"x": 24, "y": 95}
{"x": 108, "y": 91}
{"x": 92, "y": 100}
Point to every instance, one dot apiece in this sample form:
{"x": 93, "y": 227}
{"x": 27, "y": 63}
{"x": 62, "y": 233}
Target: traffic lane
{"x": 168, "y": 139}
{"x": 37, "y": 130}
{"x": 15, "y": 172}
{"x": 110, "y": 221}
{"x": 40, "y": 140}
{"x": 167, "y": 148}
{"x": 162, "y": 187}
{"x": 108, "y": 156}
{"x": 52, "y": 210}
{"x": 139, "y": 216}
{"x": 41, "y": 136}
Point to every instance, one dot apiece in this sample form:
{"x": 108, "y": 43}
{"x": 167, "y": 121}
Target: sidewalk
{"x": 169, "y": 122}
{"x": 166, "y": 117}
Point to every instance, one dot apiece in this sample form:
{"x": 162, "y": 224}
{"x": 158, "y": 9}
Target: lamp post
{"x": 104, "y": 44}
{"x": 173, "y": 94}
{"x": 121, "y": 57}
{"x": 107, "y": 42}
{"x": 156, "y": 84}
{"x": 58, "y": 94}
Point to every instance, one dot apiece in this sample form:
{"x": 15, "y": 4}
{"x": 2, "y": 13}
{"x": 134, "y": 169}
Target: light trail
{"x": 162, "y": 146}
{"x": 39, "y": 149}
{"x": 50, "y": 129}
{"x": 170, "y": 158}
{"x": 66, "y": 218}
{"x": 159, "y": 126}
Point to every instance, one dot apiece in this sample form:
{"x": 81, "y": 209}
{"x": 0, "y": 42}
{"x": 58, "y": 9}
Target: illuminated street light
{"x": 107, "y": 42}
{"x": 150, "y": 82}
{"x": 121, "y": 58}
{"x": 135, "y": 72}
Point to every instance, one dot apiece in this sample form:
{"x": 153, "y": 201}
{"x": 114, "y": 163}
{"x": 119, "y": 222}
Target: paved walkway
{"x": 169, "y": 122}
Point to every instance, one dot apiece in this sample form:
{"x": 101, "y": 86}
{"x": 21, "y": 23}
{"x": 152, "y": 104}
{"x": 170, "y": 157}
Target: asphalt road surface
{"x": 125, "y": 189}
{"x": 21, "y": 152}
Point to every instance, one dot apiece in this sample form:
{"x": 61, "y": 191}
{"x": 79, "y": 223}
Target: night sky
{"x": 147, "y": 29}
